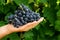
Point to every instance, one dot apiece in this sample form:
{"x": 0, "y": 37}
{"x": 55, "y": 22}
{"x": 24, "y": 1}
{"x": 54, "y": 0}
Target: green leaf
{"x": 21, "y": 1}
{"x": 49, "y": 32}
{"x": 40, "y": 1}
{"x": 1, "y": 8}
{"x": 57, "y": 25}
{"x": 50, "y": 14}
{"x": 2, "y": 2}
{"x": 43, "y": 1}
{"x": 7, "y": 15}
{"x": 45, "y": 29}
{"x": 8, "y": 8}
{"x": 52, "y": 3}
{"x": 30, "y": 1}
{"x": 2, "y": 23}
{"x": 58, "y": 13}
{"x": 28, "y": 35}
{"x": 57, "y": 7}
{"x": 4, "y": 8}
{"x": 58, "y": 37}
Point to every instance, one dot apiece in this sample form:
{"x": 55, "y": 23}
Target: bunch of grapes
{"x": 22, "y": 16}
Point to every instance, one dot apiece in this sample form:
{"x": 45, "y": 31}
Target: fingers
{"x": 30, "y": 25}
{"x": 33, "y": 24}
{"x": 40, "y": 20}
{"x": 22, "y": 28}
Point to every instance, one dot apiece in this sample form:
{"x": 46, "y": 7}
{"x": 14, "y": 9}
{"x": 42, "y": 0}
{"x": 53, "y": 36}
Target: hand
{"x": 23, "y": 28}
{"x": 9, "y": 28}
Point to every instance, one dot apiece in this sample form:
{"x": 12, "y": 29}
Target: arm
{"x": 4, "y": 31}
{"x": 9, "y": 28}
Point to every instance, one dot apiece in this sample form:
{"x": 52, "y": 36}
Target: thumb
{"x": 40, "y": 20}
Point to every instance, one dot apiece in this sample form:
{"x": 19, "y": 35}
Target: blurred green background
{"x": 49, "y": 29}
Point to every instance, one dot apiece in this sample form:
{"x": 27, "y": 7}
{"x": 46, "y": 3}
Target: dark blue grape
{"x": 25, "y": 8}
{"x": 19, "y": 14}
{"x": 31, "y": 16}
{"x": 23, "y": 12}
{"x": 34, "y": 16}
{"x": 17, "y": 20}
{"x": 16, "y": 24}
{"x": 21, "y": 18}
{"x": 11, "y": 17}
{"x": 37, "y": 19}
{"x": 15, "y": 16}
{"x": 32, "y": 20}
{"x": 38, "y": 16}
{"x": 23, "y": 15}
{"x": 30, "y": 11}
{"x": 16, "y": 12}
{"x": 27, "y": 15}
{"x": 25, "y": 22}
{"x": 25, "y": 19}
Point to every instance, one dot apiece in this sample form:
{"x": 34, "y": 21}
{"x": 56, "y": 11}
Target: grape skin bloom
{"x": 23, "y": 16}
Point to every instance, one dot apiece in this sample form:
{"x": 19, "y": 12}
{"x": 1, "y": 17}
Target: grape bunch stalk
{"x": 22, "y": 16}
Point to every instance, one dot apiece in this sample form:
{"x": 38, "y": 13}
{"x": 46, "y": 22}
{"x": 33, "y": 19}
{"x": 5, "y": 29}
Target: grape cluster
{"x": 22, "y": 16}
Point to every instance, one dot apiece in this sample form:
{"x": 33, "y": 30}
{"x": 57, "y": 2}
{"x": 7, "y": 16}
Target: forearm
{"x": 4, "y": 31}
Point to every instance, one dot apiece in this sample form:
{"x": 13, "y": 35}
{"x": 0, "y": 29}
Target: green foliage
{"x": 28, "y": 35}
{"x": 50, "y": 14}
{"x": 2, "y": 2}
{"x": 58, "y": 13}
{"x": 21, "y": 1}
{"x": 49, "y": 29}
{"x": 57, "y": 25}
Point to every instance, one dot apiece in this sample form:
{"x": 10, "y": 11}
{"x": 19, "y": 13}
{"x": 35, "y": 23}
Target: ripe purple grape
{"x": 22, "y": 16}
{"x": 26, "y": 19}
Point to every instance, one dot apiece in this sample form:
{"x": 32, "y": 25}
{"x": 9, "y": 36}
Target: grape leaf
{"x": 1, "y": 8}
{"x": 30, "y": 1}
{"x": 21, "y": 1}
{"x": 4, "y": 8}
{"x": 57, "y": 7}
{"x": 52, "y": 3}
{"x": 58, "y": 37}
{"x": 2, "y": 2}
{"x": 45, "y": 29}
{"x": 7, "y": 15}
{"x": 50, "y": 14}
{"x": 57, "y": 25}
{"x": 58, "y": 13}
{"x": 2, "y": 23}
{"x": 43, "y": 1}
{"x": 28, "y": 35}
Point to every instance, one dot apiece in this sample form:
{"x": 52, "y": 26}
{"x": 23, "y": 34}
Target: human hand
{"x": 24, "y": 28}
{"x": 9, "y": 28}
